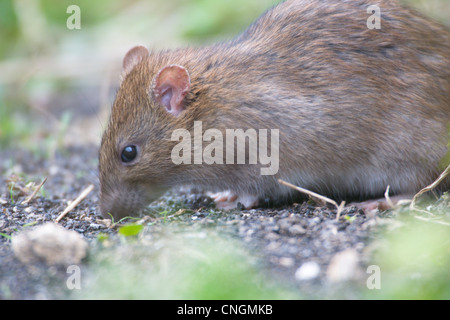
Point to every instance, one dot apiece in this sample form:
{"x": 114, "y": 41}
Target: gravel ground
{"x": 284, "y": 239}
{"x": 300, "y": 245}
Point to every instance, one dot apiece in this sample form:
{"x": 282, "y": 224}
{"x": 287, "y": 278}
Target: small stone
{"x": 271, "y": 236}
{"x": 273, "y": 246}
{"x": 95, "y": 226}
{"x": 307, "y": 271}
{"x": 343, "y": 266}
{"x": 51, "y": 244}
{"x": 297, "y": 230}
{"x": 286, "y": 261}
{"x": 28, "y": 209}
{"x": 106, "y": 222}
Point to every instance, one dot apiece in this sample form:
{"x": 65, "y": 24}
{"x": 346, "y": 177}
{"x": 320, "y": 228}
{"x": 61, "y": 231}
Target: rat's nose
{"x": 119, "y": 203}
{"x": 118, "y": 209}
{"x": 108, "y": 212}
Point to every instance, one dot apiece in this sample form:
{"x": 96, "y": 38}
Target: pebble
{"x": 286, "y": 261}
{"x": 343, "y": 266}
{"x": 95, "y": 226}
{"x": 51, "y": 244}
{"x": 297, "y": 230}
{"x": 307, "y": 271}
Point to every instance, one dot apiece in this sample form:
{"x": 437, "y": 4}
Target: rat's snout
{"x": 121, "y": 202}
{"x": 124, "y": 200}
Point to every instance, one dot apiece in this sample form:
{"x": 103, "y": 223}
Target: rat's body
{"x": 356, "y": 109}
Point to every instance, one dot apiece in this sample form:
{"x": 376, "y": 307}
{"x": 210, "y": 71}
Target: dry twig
{"x": 443, "y": 175}
{"x": 75, "y": 202}
{"x": 388, "y": 199}
{"x": 433, "y": 221}
{"x": 35, "y": 192}
{"x": 339, "y": 207}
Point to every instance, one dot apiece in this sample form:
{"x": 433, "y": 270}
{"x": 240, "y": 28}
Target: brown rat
{"x": 356, "y": 109}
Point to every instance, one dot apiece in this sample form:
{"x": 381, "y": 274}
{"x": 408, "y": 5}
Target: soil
{"x": 282, "y": 238}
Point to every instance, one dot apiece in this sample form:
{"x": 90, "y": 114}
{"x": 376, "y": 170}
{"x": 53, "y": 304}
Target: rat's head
{"x": 134, "y": 163}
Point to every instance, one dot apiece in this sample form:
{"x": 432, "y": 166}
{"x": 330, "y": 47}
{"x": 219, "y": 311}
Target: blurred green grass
{"x": 414, "y": 259}
{"x": 179, "y": 264}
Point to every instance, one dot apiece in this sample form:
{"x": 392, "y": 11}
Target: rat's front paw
{"x": 229, "y": 200}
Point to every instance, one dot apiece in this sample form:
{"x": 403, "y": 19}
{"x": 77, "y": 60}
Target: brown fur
{"x": 357, "y": 109}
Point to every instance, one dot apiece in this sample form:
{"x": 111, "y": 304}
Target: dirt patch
{"x": 283, "y": 239}
{"x": 302, "y": 245}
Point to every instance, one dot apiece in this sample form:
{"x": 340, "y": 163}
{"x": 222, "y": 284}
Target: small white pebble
{"x": 307, "y": 271}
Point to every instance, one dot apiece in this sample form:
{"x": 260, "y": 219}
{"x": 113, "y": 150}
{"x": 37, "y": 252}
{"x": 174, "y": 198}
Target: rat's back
{"x": 358, "y": 108}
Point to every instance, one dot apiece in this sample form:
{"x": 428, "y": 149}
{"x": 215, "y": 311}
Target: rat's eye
{"x": 129, "y": 153}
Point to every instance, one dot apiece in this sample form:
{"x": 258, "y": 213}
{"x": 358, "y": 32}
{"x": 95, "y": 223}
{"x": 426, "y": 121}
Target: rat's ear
{"x": 133, "y": 57}
{"x": 170, "y": 86}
